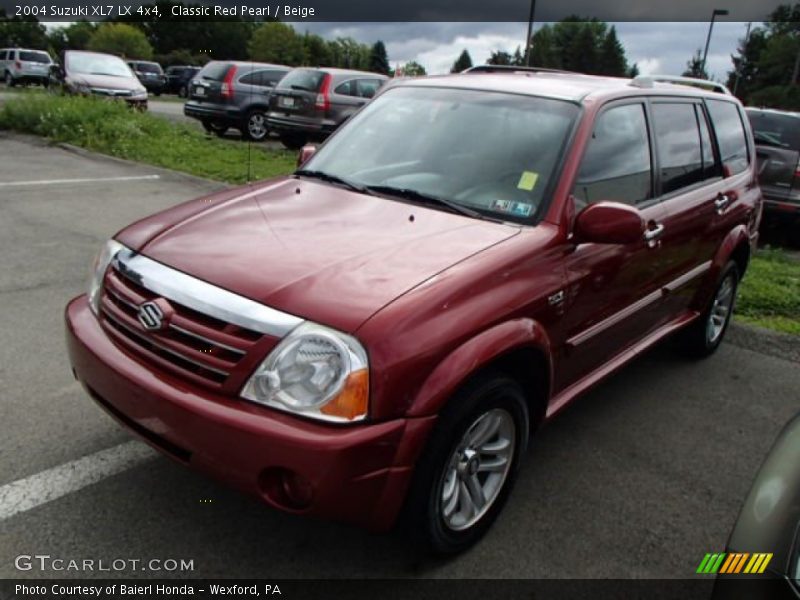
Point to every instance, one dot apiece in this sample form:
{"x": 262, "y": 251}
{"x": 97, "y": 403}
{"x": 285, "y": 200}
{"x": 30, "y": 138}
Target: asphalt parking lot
{"x": 639, "y": 478}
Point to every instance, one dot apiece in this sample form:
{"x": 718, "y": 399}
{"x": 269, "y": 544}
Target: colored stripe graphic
{"x": 735, "y": 562}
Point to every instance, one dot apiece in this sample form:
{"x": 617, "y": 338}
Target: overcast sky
{"x": 662, "y": 48}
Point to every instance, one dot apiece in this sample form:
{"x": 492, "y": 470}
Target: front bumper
{"x": 358, "y": 474}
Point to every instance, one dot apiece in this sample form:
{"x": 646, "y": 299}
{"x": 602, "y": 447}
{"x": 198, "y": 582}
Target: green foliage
{"x": 410, "y": 69}
{"x": 464, "y": 61}
{"x": 26, "y": 32}
{"x": 769, "y": 295}
{"x": 378, "y": 60}
{"x": 499, "y": 57}
{"x": 785, "y": 97}
{"x": 317, "y": 52}
{"x": 181, "y": 57}
{"x": 582, "y": 45}
{"x": 122, "y": 40}
{"x": 277, "y": 43}
{"x": 112, "y": 128}
{"x": 695, "y": 68}
{"x": 75, "y": 36}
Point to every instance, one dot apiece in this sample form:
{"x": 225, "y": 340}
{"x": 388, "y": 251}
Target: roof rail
{"x": 647, "y": 81}
{"x": 510, "y": 69}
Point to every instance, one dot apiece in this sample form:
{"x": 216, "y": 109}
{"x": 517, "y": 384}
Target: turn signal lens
{"x": 352, "y": 401}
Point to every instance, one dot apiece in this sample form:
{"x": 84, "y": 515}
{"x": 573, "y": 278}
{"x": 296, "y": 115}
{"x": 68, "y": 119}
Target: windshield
{"x": 97, "y": 64}
{"x": 769, "y": 129}
{"x": 487, "y": 151}
{"x": 37, "y": 57}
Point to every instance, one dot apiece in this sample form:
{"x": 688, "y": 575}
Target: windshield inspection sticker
{"x": 509, "y": 207}
{"x": 528, "y": 180}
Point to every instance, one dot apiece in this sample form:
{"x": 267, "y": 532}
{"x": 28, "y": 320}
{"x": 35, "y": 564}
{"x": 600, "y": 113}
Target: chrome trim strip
{"x": 202, "y": 296}
{"x": 626, "y": 312}
{"x": 124, "y": 301}
{"x": 686, "y": 277}
{"x": 201, "y": 338}
{"x": 149, "y": 340}
{"x": 621, "y": 315}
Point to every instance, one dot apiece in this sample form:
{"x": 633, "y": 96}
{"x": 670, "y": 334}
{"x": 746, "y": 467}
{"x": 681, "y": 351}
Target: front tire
{"x": 469, "y": 466}
{"x": 183, "y": 92}
{"x": 214, "y": 127}
{"x": 703, "y": 337}
{"x": 9, "y": 80}
{"x": 293, "y": 141}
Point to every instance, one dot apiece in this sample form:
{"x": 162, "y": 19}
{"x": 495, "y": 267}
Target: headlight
{"x": 315, "y": 371}
{"x": 81, "y": 87}
{"x": 142, "y": 93}
{"x": 101, "y": 262}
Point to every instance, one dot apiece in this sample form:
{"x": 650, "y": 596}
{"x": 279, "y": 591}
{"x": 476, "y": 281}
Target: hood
{"x": 107, "y": 82}
{"x": 318, "y": 251}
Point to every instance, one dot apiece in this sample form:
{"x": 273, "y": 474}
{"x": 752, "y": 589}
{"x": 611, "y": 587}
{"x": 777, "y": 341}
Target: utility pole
{"x": 714, "y": 14}
{"x": 530, "y": 33}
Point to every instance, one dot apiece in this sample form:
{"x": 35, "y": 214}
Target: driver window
{"x": 616, "y": 165}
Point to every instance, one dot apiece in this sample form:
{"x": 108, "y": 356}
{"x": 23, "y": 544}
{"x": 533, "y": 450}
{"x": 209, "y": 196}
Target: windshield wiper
{"x": 416, "y": 195}
{"x": 323, "y": 176}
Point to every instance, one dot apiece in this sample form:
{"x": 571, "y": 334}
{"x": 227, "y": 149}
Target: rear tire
{"x": 703, "y": 337}
{"x": 255, "y": 126}
{"x": 183, "y": 92}
{"x": 293, "y": 141}
{"x": 215, "y": 127}
{"x": 469, "y": 465}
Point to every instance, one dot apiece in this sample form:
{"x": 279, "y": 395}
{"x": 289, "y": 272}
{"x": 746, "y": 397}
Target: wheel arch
{"x": 519, "y": 349}
{"x": 735, "y": 246}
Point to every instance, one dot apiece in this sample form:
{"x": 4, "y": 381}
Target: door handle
{"x": 651, "y": 235}
{"x": 721, "y": 203}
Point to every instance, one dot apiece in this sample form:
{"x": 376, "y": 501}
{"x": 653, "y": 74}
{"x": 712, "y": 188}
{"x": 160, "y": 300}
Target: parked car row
{"x": 302, "y": 104}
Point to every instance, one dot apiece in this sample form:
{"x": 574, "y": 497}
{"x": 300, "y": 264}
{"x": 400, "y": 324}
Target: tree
{"x": 317, "y": 52}
{"x": 277, "y": 43}
{"x": 499, "y": 57}
{"x": 121, "y": 39}
{"x": 410, "y": 69}
{"x": 18, "y": 31}
{"x": 463, "y": 62}
{"x": 612, "y": 56}
{"x": 742, "y": 79}
{"x": 695, "y": 68}
{"x": 378, "y": 60}
{"x": 582, "y": 45}
{"x": 75, "y": 36}
{"x": 518, "y": 60}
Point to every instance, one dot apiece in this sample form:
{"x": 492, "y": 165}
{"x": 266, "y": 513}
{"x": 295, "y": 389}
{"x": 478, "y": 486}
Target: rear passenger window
{"x": 367, "y": 88}
{"x": 680, "y": 158}
{"x": 250, "y": 79}
{"x": 346, "y": 88}
{"x": 616, "y": 165}
{"x": 710, "y": 165}
{"x": 271, "y": 78}
{"x": 731, "y": 138}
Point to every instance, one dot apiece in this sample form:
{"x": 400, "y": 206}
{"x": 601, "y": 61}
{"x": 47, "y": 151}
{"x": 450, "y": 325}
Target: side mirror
{"x": 306, "y": 152}
{"x": 609, "y": 223}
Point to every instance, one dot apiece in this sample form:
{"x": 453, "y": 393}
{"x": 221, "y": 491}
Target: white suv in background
{"x": 20, "y": 65}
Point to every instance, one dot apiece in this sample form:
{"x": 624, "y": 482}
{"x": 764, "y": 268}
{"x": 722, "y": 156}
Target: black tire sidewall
{"x": 292, "y": 141}
{"x": 461, "y": 412}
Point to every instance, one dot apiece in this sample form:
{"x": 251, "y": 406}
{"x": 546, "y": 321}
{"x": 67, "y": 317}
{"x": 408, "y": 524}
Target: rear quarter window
{"x": 730, "y": 132}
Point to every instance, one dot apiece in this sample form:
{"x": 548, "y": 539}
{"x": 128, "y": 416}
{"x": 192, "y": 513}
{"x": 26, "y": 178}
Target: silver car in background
{"x": 21, "y": 65}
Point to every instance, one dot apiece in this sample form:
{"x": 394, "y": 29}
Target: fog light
{"x": 286, "y": 489}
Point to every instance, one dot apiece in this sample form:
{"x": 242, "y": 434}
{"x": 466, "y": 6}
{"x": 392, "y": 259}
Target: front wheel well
{"x": 530, "y": 368}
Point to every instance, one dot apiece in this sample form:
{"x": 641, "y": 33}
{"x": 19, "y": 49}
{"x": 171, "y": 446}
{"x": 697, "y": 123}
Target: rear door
{"x": 777, "y": 138}
{"x": 296, "y": 93}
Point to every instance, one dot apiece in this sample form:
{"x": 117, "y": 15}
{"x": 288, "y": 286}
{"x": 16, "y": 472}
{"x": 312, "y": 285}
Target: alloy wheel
{"x": 720, "y": 309}
{"x": 477, "y": 469}
{"x": 257, "y": 126}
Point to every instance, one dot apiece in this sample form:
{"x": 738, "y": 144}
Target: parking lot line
{"x": 35, "y": 490}
{"x": 83, "y": 180}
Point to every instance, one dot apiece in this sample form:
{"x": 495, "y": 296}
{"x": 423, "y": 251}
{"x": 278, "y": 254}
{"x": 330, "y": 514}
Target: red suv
{"x": 380, "y": 333}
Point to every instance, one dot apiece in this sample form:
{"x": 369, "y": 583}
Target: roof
{"x": 562, "y": 85}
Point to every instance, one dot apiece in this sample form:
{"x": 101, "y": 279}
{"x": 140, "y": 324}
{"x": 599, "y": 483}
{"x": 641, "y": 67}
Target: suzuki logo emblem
{"x": 151, "y": 316}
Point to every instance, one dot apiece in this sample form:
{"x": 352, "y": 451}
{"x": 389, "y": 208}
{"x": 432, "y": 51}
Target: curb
{"x": 764, "y": 341}
{"x": 43, "y": 141}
